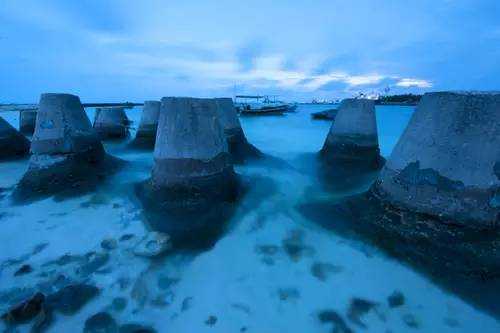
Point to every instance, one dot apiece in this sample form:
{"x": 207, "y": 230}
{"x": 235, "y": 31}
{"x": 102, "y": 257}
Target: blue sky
{"x": 116, "y": 50}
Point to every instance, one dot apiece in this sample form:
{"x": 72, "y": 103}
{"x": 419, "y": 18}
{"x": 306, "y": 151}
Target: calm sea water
{"x": 272, "y": 271}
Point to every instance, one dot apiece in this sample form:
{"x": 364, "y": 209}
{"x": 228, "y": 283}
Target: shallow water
{"x": 272, "y": 271}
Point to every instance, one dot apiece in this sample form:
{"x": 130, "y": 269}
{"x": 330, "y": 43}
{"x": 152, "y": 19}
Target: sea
{"x": 272, "y": 270}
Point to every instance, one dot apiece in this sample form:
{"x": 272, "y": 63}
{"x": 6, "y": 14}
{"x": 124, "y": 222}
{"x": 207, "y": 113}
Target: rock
{"x": 193, "y": 179}
{"x": 101, "y": 322}
{"x": 211, "y": 321}
{"x": 126, "y": 237}
{"x": 146, "y": 133}
{"x": 136, "y": 328}
{"x": 288, "y": 294}
{"x": 353, "y": 137}
{"x": 71, "y": 299}
{"x": 92, "y": 263}
{"x": 332, "y": 317}
{"x": 152, "y": 245}
{"x": 329, "y": 114}
{"x": 12, "y": 143}
{"x": 66, "y": 152}
{"x": 26, "y": 311}
{"x": 238, "y": 146}
{"x": 321, "y": 270}
{"x": 111, "y": 123}
{"x": 411, "y": 321}
{"x": 27, "y": 121}
{"x": 24, "y": 269}
{"x": 446, "y": 162}
{"x": 119, "y": 303}
{"x": 358, "y": 308}
{"x": 396, "y": 299}
{"x": 109, "y": 244}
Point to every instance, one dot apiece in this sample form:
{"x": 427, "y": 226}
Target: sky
{"x": 131, "y": 50}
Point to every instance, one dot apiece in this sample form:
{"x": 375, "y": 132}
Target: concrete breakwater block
{"x": 353, "y": 137}
{"x": 447, "y": 162}
{"x": 12, "y": 143}
{"x": 435, "y": 204}
{"x": 146, "y": 133}
{"x": 111, "y": 123}
{"x": 193, "y": 179}
{"x": 66, "y": 151}
{"x": 239, "y": 147}
{"x": 27, "y": 121}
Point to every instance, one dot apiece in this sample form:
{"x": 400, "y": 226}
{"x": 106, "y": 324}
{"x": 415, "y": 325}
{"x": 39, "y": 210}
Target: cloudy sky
{"x": 116, "y": 50}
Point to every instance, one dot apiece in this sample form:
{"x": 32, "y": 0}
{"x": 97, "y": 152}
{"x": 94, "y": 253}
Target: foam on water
{"x": 272, "y": 271}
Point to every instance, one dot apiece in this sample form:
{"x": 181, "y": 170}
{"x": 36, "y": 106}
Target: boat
{"x": 261, "y": 105}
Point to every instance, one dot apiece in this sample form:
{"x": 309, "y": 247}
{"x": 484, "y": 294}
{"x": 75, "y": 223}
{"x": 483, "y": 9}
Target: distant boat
{"x": 261, "y": 105}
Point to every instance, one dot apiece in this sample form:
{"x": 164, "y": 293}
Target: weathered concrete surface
{"x": 66, "y": 151}
{"x": 190, "y": 143}
{"x": 446, "y": 162}
{"x": 193, "y": 180}
{"x": 111, "y": 123}
{"x": 239, "y": 148}
{"x": 27, "y": 121}
{"x": 353, "y": 135}
{"x": 146, "y": 133}
{"x": 12, "y": 143}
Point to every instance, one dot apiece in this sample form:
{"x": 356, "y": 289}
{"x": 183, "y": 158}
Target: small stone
{"x": 321, "y": 270}
{"x": 109, "y": 244}
{"x": 358, "y": 308}
{"x": 101, "y": 322}
{"x": 411, "y": 321}
{"x": 25, "y": 269}
{"x": 119, "y": 304}
{"x": 396, "y": 299}
{"x": 126, "y": 237}
{"x": 332, "y": 317}
{"x": 152, "y": 244}
{"x": 136, "y": 328}
{"x": 186, "y": 303}
{"x": 72, "y": 298}
{"x": 211, "y": 321}
{"x": 94, "y": 261}
{"x": 286, "y": 294}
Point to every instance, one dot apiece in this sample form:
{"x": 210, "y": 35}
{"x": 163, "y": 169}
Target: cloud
{"x": 408, "y": 83}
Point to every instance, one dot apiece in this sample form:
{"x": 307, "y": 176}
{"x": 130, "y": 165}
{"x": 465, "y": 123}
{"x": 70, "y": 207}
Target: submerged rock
{"x": 71, "y": 299}
{"x": 111, "y": 123}
{"x": 152, "y": 244}
{"x": 24, "y": 269}
{"x": 27, "y": 121}
{"x": 338, "y": 323}
{"x": 26, "y": 311}
{"x": 193, "y": 178}
{"x": 12, "y": 143}
{"x": 358, "y": 308}
{"x": 446, "y": 162}
{"x": 136, "y": 328}
{"x": 66, "y": 152}
{"x": 109, "y": 244}
{"x": 146, "y": 133}
{"x": 396, "y": 299}
{"x": 238, "y": 146}
{"x": 353, "y": 137}
{"x": 101, "y": 322}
